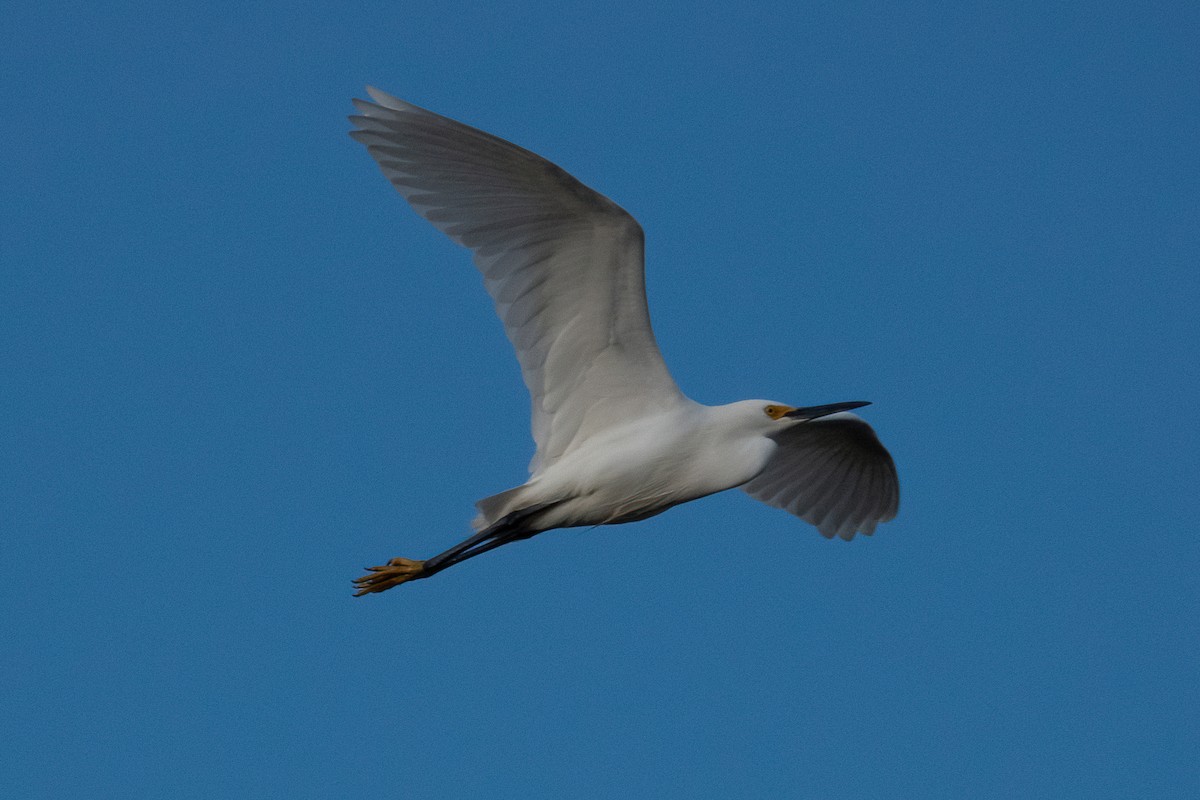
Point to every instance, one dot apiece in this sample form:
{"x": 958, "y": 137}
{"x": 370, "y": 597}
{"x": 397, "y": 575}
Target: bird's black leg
{"x": 403, "y": 570}
{"x": 450, "y": 557}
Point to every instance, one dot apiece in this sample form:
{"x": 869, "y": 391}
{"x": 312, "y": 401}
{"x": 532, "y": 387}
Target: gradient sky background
{"x": 237, "y": 368}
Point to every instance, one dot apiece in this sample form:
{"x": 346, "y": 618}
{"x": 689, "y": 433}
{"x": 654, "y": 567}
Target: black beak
{"x": 813, "y": 412}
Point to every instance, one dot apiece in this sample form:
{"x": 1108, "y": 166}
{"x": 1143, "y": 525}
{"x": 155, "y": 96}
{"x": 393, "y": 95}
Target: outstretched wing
{"x": 831, "y": 472}
{"x": 562, "y": 263}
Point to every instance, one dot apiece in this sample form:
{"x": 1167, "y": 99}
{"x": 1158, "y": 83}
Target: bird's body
{"x": 617, "y": 441}
{"x": 643, "y": 467}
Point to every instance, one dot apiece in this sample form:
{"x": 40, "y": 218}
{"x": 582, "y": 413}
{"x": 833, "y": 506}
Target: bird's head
{"x": 781, "y": 413}
{"x": 767, "y": 417}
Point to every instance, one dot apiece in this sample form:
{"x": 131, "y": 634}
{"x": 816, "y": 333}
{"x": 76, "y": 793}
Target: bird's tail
{"x": 495, "y": 508}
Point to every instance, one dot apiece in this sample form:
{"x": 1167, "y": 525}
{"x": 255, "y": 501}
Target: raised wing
{"x": 831, "y": 472}
{"x": 562, "y": 263}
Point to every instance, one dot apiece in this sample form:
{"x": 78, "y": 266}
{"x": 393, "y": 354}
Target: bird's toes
{"x": 373, "y": 583}
{"x": 371, "y": 588}
{"x": 382, "y": 578}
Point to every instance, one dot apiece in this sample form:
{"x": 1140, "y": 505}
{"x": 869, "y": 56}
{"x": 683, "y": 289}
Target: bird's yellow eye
{"x": 775, "y": 412}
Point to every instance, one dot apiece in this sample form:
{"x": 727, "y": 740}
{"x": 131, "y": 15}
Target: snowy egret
{"x": 617, "y": 441}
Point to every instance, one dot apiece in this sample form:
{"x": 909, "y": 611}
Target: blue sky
{"x": 238, "y": 368}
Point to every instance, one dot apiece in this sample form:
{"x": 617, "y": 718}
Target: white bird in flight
{"x": 617, "y": 441}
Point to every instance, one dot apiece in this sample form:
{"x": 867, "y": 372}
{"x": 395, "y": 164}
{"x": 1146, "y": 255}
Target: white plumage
{"x": 616, "y": 438}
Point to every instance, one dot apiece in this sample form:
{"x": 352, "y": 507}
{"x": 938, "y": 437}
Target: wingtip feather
{"x": 389, "y": 101}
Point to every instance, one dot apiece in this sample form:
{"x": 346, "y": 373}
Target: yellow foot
{"x": 394, "y": 573}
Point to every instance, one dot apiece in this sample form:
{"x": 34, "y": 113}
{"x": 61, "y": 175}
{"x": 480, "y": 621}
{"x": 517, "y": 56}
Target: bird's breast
{"x": 645, "y": 469}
